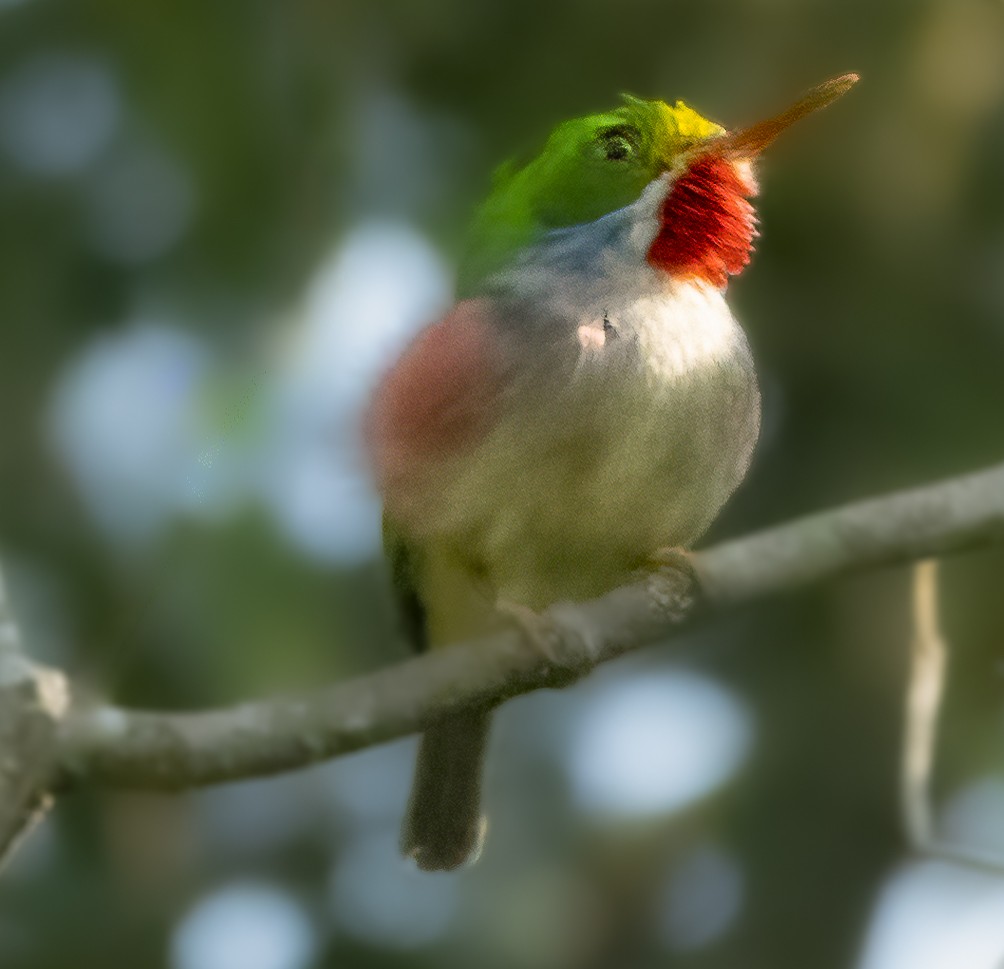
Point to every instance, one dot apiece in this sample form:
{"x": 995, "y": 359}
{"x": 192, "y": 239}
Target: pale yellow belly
{"x": 565, "y": 499}
{"x": 632, "y": 421}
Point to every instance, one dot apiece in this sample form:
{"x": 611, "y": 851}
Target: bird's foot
{"x": 673, "y": 582}
{"x": 561, "y": 635}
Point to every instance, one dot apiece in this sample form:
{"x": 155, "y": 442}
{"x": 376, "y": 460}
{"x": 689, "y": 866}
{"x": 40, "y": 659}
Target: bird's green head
{"x": 597, "y": 164}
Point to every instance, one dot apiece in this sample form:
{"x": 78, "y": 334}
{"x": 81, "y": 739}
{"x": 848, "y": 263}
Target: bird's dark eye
{"x": 618, "y": 143}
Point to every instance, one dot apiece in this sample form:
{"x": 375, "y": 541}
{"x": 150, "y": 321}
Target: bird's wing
{"x": 438, "y": 401}
{"x": 401, "y": 558}
{"x": 434, "y": 406}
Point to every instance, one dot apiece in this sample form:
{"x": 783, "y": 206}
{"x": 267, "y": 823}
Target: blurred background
{"x": 219, "y": 221}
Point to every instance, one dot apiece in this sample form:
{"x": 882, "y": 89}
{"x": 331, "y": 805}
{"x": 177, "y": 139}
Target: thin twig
{"x": 924, "y": 695}
{"x": 925, "y": 688}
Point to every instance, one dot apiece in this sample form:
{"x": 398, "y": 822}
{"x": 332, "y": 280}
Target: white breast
{"x": 632, "y": 421}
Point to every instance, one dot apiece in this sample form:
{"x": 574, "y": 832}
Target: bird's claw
{"x": 560, "y": 634}
{"x": 674, "y": 583}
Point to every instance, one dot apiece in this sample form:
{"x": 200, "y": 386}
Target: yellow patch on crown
{"x": 685, "y": 126}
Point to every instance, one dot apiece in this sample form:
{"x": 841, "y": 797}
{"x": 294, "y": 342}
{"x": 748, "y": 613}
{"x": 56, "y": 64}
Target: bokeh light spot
{"x": 700, "y": 900}
{"x": 656, "y": 744}
{"x": 138, "y": 204}
{"x": 370, "y": 787}
{"x": 58, "y": 112}
{"x": 380, "y": 899}
{"x": 377, "y": 288}
{"x": 975, "y": 816}
{"x": 933, "y": 915}
{"x": 121, "y": 420}
{"x": 244, "y": 926}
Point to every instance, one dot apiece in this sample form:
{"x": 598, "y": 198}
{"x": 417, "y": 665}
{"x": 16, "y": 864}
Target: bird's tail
{"x": 444, "y": 828}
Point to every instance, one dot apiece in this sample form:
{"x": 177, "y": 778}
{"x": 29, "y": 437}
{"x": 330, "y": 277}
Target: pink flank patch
{"x": 436, "y": 402}
{"x": 708, "y": 224}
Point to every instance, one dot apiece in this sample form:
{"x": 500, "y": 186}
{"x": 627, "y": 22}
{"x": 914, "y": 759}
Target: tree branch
{"x": 109, "y": 745}
{"x": 32, "y": 701}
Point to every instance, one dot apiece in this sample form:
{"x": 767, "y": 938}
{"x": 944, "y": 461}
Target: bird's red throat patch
{"x": 707, "y": 224}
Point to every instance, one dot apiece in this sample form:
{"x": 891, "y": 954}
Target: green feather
{"x": 587, "y": 168}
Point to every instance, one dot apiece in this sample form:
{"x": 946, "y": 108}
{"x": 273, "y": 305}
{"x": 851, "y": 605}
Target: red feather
{"x": 708, "y": 225}
{"x": 437, "y": 401}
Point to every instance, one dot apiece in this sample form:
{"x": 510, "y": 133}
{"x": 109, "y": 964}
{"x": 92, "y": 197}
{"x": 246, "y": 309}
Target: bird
{"x": 588, "y": 402}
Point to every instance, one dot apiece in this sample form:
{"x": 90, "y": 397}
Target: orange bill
{"x": 749, "y": 142}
